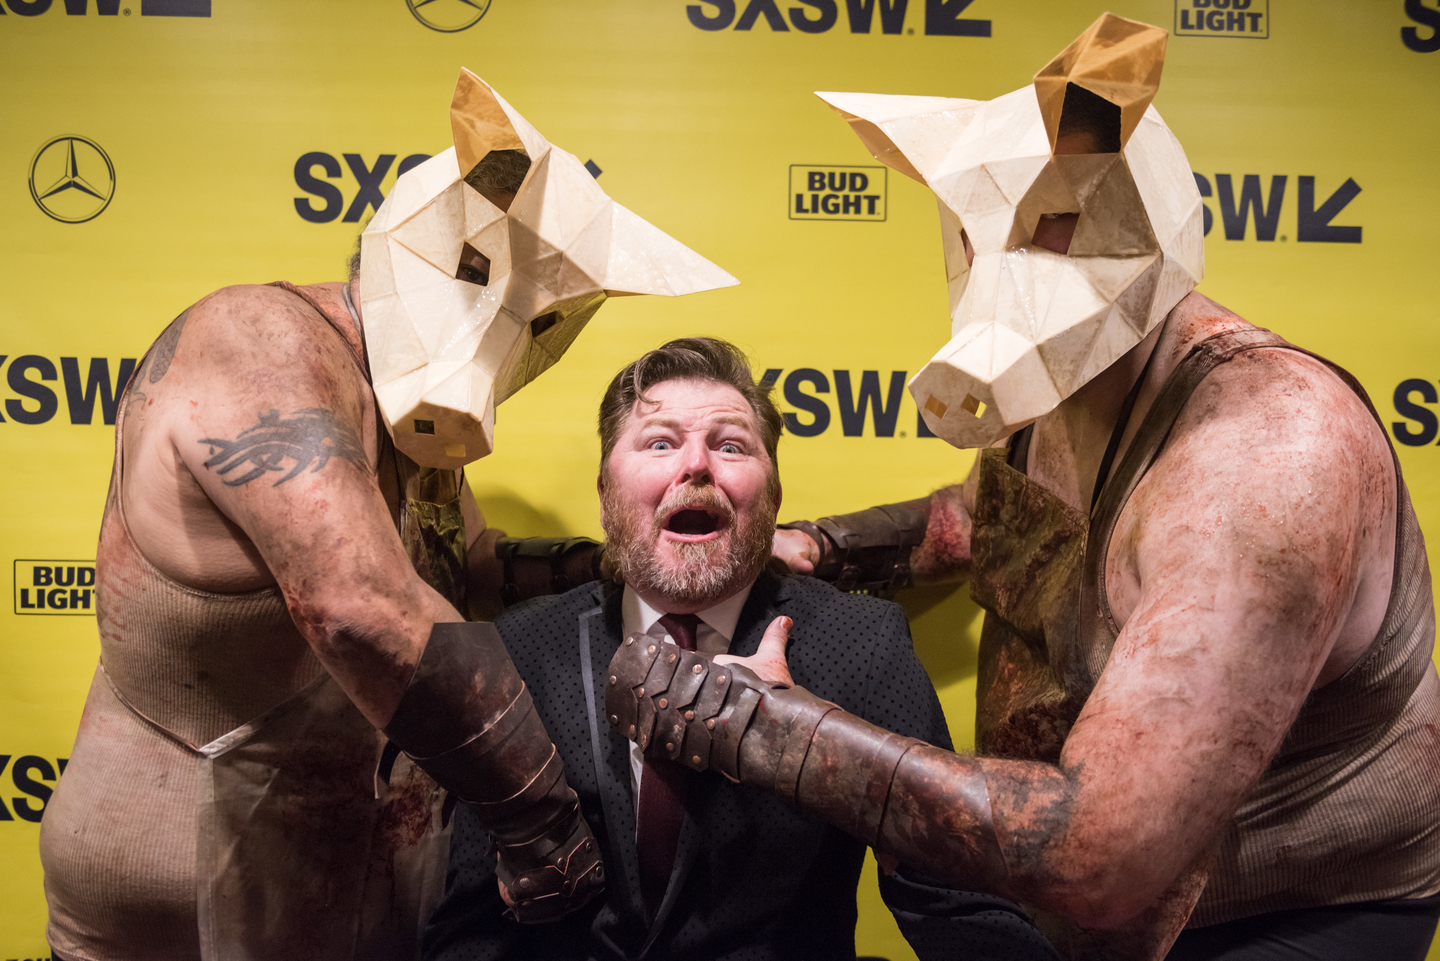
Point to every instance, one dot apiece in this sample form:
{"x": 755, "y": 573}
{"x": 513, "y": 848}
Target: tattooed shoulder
{"x": 158, "y": 363}
{"x": 285, "y": 445}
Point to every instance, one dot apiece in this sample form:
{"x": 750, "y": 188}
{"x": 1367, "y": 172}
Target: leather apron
{"x": 318, "y": 840}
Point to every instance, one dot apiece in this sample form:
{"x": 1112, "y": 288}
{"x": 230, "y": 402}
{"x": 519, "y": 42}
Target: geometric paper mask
{"x": 445, "y": 350}
{"x": 1030, "y": 326}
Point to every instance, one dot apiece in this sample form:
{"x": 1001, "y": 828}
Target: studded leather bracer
{"x": 534, "y": 566}
{"x": 926, "y": 806}
{"x": 868, "y": 550}
{"x": 469, "y": 722}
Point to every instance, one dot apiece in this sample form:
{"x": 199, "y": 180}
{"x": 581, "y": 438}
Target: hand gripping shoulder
{"x": 929, "y": 807}
{"x": 868, "y": 550}
{"x": 469, "y": 722}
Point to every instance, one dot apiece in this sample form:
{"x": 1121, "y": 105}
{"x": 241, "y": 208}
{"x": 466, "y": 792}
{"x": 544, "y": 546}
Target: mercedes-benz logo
{"x": 449, "y": 16}
{"x": 72, "y": 179}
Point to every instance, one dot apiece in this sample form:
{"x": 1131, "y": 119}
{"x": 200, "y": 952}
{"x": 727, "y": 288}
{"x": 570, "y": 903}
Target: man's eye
{"x": 729, "y": 449}
{"x": 660, "y": 445}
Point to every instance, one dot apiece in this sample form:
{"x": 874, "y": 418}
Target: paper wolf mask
{"x": 537, "y": 247}
{"x": 1030, "y": 326}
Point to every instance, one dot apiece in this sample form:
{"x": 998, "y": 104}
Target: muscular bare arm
{"x": 1251, "y": 565}
{"x": 265, "y": 414}
{"x": 1242, "y": 566}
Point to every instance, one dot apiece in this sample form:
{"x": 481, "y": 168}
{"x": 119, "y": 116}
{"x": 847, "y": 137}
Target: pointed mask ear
{"x": 1101, "y": 85}
{"x": 485, "y": 127}
{"x": 908, "y": 134}
{"x": 643, "y": 259}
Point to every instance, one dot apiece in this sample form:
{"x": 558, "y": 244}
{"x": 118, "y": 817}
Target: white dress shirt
{"x": 712, "y": 636}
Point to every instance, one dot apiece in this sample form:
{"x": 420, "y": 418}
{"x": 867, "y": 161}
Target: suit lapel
{"x": 759, "y": 610}
{"x": 599, "y": 637}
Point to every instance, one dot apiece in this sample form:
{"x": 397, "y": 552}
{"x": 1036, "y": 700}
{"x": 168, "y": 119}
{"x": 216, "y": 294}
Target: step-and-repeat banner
{"x": 154, "y": 150}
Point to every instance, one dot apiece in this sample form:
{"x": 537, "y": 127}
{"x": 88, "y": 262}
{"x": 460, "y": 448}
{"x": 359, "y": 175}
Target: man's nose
{"x": 695, "y": 463}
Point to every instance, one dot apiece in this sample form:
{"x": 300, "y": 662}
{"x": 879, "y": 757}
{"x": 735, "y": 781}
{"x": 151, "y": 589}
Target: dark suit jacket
{"x": 753, "y": 878}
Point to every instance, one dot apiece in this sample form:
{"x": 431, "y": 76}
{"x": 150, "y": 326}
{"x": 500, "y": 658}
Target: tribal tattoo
{"x": 310, "y": 436}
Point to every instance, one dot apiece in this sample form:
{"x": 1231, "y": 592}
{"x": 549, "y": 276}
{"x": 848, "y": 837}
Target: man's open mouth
{"x": 693, "y": 522}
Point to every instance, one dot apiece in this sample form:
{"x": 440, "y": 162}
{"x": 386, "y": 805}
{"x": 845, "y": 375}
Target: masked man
{"x": 282, "y": 567}
{"x": 1205, "y": 691}
{"x": 701, "y": 868}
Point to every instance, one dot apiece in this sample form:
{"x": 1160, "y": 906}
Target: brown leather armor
{"x": 469, "y": 722}
{"x": 536, "y": 566}
{"x": 868, "y": 550}
{"x": 929, "y": 807}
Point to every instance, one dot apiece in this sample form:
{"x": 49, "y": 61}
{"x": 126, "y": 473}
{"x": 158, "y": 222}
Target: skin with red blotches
{"x": 217, "y": 515}
{"x": 1251, "y": 565}
{"x": 406, "y": 819}
{"x": 944, "y": 554}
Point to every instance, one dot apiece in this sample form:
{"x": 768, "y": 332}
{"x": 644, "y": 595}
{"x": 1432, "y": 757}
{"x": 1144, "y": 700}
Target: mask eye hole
{"x": 474, "y": 267}
{"x": 543, "y": 323}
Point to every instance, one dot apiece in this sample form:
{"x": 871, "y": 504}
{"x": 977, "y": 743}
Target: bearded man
{"x": 700, "y": 867}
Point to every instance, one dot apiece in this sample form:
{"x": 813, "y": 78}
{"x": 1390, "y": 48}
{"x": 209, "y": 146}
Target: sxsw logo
{"x": 837, "y": 193}
{"x": 857, "y": 400}
{"x": 55, "y": 587}
{"x": 1222, "y": 18}
{"x": 29, "y": 774}
{"x": 37, "y": 403}
{"x": 1420, "y": 426}
{"x": 109, "y": 8}
{"x": 1427, "y": 17}
{"x": 942, "y": 17}
{"x": 1313, "y": 220}
{"x": 368, "y": 178}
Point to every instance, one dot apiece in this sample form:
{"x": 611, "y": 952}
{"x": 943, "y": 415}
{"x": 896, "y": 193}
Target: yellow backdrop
{"x": 154, "y": 150}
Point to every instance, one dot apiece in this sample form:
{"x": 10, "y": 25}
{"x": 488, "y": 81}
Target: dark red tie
{"x": 662, "y": 796}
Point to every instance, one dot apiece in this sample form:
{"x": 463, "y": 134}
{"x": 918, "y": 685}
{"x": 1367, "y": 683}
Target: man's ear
{"x": 600, "y": 489}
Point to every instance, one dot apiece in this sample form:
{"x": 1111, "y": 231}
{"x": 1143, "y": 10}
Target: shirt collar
{"x": 721, "y": 618}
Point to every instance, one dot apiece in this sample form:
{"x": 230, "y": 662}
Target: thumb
{"x": 773, "y": 644}
{"x": 768, "y": 661}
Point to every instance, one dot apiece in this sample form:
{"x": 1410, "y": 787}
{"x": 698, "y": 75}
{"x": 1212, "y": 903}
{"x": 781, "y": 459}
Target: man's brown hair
{"x": 688, "y": 358}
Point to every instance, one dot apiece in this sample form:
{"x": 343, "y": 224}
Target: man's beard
{"x": 705, "y": 571}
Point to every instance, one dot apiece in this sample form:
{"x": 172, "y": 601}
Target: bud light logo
{"x": 837, "y": 193}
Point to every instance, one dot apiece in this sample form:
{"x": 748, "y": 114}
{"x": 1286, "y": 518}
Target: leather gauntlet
{"x": 469, "y": 722}
{"x": 535, "y": 566}
{"x": 930, "y": 808}
{"x": 868, "y": 550}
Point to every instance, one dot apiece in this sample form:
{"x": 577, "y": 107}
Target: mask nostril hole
{"x": 424, "y": 426}
{"x": 973, "y": 405}
{"x": 543, "y": 323}
{"x": 1055, "y": 231}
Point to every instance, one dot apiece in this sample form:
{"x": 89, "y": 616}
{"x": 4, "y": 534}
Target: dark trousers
{"x": 1396, "y": 930}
